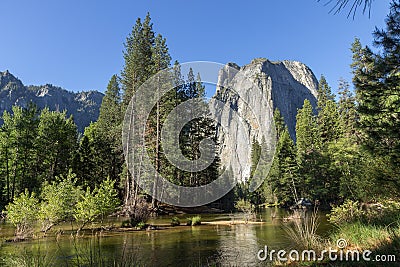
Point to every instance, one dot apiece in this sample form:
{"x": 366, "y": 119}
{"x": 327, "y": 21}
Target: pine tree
{"x": 306, "y": 129}
{"x": 138, "y": 57}
{"x": 327, "y": 119}
{"x": 161, "y": 60}
{"x": 377, "y": 79}
{"x": 283, "y": 176}
{"x": 279, "y": 123}
{"x": 347, "y": 109}
{"x": 324, "y": 93}
{"x": 105, "y": 136}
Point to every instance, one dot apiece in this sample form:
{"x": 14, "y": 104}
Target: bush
{"x": 383, "y": 213}
{"x": 175, "y": 221}
{"x": 23, "y": 213}
{"x": 246, "y": 207}
{"x": 96, "y": 204}
{"x": 126, "y": 224}
{"x": 139, "y": 212}
{"x": 347, "y": 212}
{"x": 196, "y": 220}
{"x": 141, "y": 225}
{"x": 59, "y": 200}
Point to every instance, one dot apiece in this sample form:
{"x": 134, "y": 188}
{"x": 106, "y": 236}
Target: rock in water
{"x": 284, "y": 85}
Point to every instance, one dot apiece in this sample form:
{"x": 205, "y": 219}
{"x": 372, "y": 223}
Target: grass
{"x": 362, "y": 236}
{"x": 303, "y": 232}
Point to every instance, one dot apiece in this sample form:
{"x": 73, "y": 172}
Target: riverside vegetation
{"x": 346, "y": 156}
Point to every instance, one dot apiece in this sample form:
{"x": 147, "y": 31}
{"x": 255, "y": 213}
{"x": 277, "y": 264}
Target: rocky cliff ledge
{"x": 283, "y": 85}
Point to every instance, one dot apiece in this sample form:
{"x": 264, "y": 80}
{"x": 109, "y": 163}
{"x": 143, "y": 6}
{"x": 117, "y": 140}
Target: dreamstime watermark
{"x": 223, "y": 113}
{"x": 330, "y": 254}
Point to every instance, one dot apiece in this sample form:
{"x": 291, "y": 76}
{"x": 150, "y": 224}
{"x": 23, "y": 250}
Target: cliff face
{"x": 252, "y": 92}
{"x": 83, "y": 106}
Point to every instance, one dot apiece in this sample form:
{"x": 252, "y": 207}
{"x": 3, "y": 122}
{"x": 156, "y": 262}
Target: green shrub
{"x": 59, "y": 200}
{"x": 96, "y": 204}
{"x": 196, "y": 220}
{"x": 246, "y": 207}
{"x": 188, "y": 221}
{"x": 126, "y": 224}
{"x": 383, "y": 213}
{"x": 23, "y": 213}
{"x": 140, "y": 212}
{"x": 175, "y": 221}
{"x": 347, "y": 212}
{"x": 141, "y": 225}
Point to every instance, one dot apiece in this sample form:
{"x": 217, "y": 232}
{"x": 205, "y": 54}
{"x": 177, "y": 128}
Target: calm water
{"x": 230, "y": 245}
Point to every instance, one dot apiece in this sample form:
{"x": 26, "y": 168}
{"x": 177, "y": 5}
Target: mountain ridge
{"x": 84, "y": 106}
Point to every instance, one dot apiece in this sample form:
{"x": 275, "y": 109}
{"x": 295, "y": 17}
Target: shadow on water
{"x": 227, "y": 245}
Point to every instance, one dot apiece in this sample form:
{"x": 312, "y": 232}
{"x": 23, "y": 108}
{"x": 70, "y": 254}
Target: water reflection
{"x": 184, "y": 245}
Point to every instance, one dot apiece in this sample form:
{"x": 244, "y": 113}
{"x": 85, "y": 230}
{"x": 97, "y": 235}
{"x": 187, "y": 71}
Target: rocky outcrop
{"x": 252, "y": 92}
{"x": 83, "y": 106}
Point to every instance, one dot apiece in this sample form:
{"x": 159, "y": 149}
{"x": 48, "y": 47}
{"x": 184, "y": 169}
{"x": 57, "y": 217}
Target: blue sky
{"x": 78, "y": 44}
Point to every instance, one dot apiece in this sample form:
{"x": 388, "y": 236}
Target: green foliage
{"x": 306, "y": 130}
{"x": 175, "y": 221}
{"x": 196, "y": 220}
{"x": 283, "y": 176}
{"x": 34, "y": 148}
{"x": 347, "y": 212}
{"x": 23, "y": 213}
{"x": 363, "y": 236}
{"x": 56, "y": 142}
{"x": 58, "y": 201}
{"x": 384, "y": 213}
{"x": 97, "y": 203}
{"x": 141, "y": 225}
{"x": 377, "y": 83}
{"x": 244, "y": 206}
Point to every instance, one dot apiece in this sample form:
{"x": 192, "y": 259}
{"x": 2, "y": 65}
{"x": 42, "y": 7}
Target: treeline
{"x": 42, "y": 147}
{"x": 346, "y": 147}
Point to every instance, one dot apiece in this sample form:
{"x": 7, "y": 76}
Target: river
{"x": 228, "y": 245}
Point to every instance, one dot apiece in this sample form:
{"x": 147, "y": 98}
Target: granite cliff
{"x": 283, "y": 85}
{"x": 83, "y": 106}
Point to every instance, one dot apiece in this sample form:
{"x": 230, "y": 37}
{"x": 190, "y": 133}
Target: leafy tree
{"x": 58, "y": 201}
{"x": 56, "y": 141}
{"x": 22, "y": 213}
{"x": 96, "y": 204}
{"x": 22, "y": 169}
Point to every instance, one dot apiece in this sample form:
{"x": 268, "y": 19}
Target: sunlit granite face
{"x": 284, "y": 85}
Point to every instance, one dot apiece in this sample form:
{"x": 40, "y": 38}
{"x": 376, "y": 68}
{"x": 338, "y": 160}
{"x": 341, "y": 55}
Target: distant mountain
{"x": 83, "y": 106}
